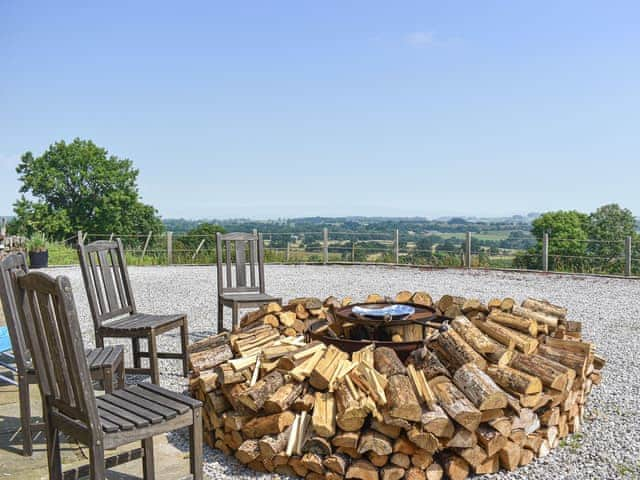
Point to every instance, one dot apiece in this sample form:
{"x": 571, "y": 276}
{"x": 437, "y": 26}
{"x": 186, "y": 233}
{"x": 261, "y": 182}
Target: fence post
{"x": 146, "y": 245}
{"x": 325, "y": 247}
{"x": 254, "y": 245}
{"x": 627, "y": 256}
{"x": 195, "y": 254}
{"x": 397, "y": 246}
{"x": 169, "y": 248}
{"x": 287, "y": 257}
{"x": 545, "y": 252}
{"x": 467, "y": 250}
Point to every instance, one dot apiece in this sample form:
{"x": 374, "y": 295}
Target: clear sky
{"x": 275, "y": 109}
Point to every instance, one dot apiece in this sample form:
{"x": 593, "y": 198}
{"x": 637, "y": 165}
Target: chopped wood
{"x": 455, "y": 467}
{"x": 490, "y": 439}
{"x": 267, "y": 425}
{"x": 479, "y": 387}
{"x": 455, "y": 403}
{"x": 454, "y": 351}
{"x": 362, "y": 470}
{"x": 271, "y": 445}
{"x": 325, "y": 368}
{"x": 336, "y": 463}
{"x": 507, "y": 336}
{"x": 373, "y": 441}
{"x": 545, "y": 306}
{"x": 324, "y": 414}
{"x": 254, "y": 397}
{"x": 392, "y": 472}
{"x": 434, "y": 471}
{"x": 473, "y": 335}
{"x": 422, "y": 298}
{"x": 427, "y": 361}
{"x": 415, "y": 473}
{"x": 402, "y": 402}
{"x": 211, "y": 358}
{"x": 515, "y": 380}
{"x": 386, "y": 362}
{"x": 283, "y": 398}
{"x": 248, "y": 451}
{"x": 515, "y": 322}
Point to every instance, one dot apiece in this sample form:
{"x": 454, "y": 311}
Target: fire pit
{"x": 391, "y": 389}
{"x": 403, "y": 327}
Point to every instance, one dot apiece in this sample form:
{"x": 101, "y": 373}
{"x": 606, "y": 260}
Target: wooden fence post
{"x": 397, "y": 246}
{"x": 325, "y": 247}
{"x": 545, "y": 252}
{"x": 627, "y": 256}
{"x": 146, "y": 244}
{"x": 195, "y": 254}
{"x": 169, "y": 248}
{"x": 467, "y": 250}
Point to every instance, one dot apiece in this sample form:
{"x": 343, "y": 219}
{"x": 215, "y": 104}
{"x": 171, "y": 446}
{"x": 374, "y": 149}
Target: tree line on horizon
{"x": 80, "y": 186}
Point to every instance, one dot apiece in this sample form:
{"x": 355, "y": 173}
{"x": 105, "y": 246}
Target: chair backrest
{"x": 51, "y": 324}
{"x": 10, "y": 267}
{"x": 232, "y": 252}
{"x": 106, "y": 279}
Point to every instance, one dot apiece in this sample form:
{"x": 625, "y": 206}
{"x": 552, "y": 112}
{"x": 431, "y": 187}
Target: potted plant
{"x": 38, "y": 252}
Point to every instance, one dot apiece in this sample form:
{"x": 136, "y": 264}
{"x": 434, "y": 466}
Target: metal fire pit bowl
{"x": 423, "y": 315}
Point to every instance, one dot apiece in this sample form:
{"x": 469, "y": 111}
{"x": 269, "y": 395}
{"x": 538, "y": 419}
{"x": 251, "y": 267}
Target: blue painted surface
{"x": 5, "y": 341}
{"x": 393, "y": 310}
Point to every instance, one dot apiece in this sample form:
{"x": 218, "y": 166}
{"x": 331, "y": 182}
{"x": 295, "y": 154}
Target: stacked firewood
{"x": 498, "y": 386}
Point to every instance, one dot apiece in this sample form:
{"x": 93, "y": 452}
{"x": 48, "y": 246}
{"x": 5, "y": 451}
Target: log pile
{"x": 498, "y": 386}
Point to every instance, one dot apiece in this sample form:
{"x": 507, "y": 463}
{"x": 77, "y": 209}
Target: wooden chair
{"x": 113, "y": 308}
{"x": 135, "y": 413}
{"x": 104, "y": 363}
{"x": 240, "y": 293}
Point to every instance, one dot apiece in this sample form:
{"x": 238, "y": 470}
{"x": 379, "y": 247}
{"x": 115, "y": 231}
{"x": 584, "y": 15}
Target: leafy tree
{"x": 78, "y": 186}
{"x": 567, "y": 240}
{"x": 193, "y": 237}
{"x": 609, "y": 225}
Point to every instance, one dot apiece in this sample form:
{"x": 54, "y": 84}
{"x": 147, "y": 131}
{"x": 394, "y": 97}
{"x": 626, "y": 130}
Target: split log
{"x": 509, "y": 456}
{"x": 362, "y": 470}
{"x": 403, "y": 445}
{"x": 402, "y": 402}
{"x": 326, "y": 367}
{"x": 372, "y": 441}
{"x": 473, "y": 336}
{"x": 463, "y": 438}
{"x": 350, "y": 411}
{"x": 422, "y": 298}
{"x": 318, "y": 445}
{"x": 479, "y": 388}
{"x": 336, "y": 463}
{"x": 421, "y": 387}
{"x": 474, "y": 455}
{"x": 269, "y": 425}
{"x": 248, "y": 451}
{"x": 540, "y": 317}
{"x": 346, "y": 440}
{"x": 506, "y": 305}
{"x": 434, "y": 471}
{"x": 515, "y": 380}
{"x": 490, "y": 465}
{"x": 391, "y": 472}
{"x": 422, "y": 458}
{"x": 392, "y": 431}
{"x": 455, "y": 403}
{"x": 271, "y": 445}
{"x": 324, "y": 414}
{"x": 436, "y": 421}
{"x": 427, "y": 361}
{"x": 507, "y": 336}
{"x": 490, "y": 439}
{"x": 544, "y": 306}
{"x": 425, "y": 440}
{"x": 454, "y": 351}
{"x": 401, "y": 460}
{"x": 576, "y": 361}
{"x": 209, "y": 359}
{"x": 255, "y": 397}
{"x": 550, "y": 373}
{"x": 521, "y": 324}
{"x": 386, "y": 362}
{"x": 502, "y": 425}
{"x": 455, "y": 467}
{"x": 526, "y": 457}
{"x": 415, "y": 473}
{"x": 283, "y": 398}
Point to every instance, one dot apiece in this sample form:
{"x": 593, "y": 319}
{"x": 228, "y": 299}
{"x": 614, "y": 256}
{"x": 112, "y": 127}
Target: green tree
{"x": 608, "y": 226}
{"x": 567, "y": 241}
{"x": 79, "y": 186}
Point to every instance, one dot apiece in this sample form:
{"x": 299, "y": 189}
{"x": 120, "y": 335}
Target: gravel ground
{"x": 608, "y": 447}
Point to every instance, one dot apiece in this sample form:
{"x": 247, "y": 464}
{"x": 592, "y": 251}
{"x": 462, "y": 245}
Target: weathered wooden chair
{"x": 104, "y": 363}
{"x": 241, "y": 293}
{"x": 113, "y": 308}
{"x": 135, "y": 413}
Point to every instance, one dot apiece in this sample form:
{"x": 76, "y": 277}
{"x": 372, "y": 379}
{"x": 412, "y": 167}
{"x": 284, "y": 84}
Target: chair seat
{"x": 105, "y": 357}
{"x": 248, "y": 297}
{"x": 142, "y": 321}
{"x": 142, "y": 405}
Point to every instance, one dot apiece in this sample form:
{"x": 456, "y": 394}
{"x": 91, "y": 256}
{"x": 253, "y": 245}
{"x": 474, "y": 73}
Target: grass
{"x": 487, "y": 235}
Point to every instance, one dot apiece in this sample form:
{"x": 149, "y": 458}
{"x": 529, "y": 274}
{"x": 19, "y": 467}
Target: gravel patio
{"x": 609, "y": 446}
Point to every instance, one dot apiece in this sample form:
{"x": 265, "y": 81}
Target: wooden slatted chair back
{"x": 10, "y": 267}
{"x": 53, "y": 330}
{"x": 240, "y": 260}
{"x": 106, "y": 280}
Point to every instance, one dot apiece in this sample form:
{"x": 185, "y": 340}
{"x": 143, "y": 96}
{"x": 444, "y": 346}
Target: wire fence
{"x": 466, "y": 250}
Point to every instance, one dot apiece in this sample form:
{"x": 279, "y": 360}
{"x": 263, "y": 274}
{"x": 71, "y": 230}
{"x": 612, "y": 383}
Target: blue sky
{"x": 276, "y": 109}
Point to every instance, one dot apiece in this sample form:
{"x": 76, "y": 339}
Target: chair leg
{"x": 135, "y": 349}
{"x": 147, "y": 459}
{"x": 153, "y": 358}
{"x": 195, "y": 444}
{"x": 220, "y": 316}
{"x": 53, "y": 450}
{"x": 96, "y": 462}
{"x": 99, "y": 341}
{"x": 184, "y": 336}
{"x": 234, "y": 320}
{"x": 120, "y": 377}
{"x": 25, "y": 416}
{"x": 107, "y": 380}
